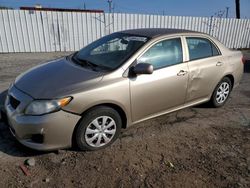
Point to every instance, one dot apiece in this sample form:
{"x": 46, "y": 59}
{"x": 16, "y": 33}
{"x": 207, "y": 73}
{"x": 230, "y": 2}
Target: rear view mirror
{"x": 143, "y": 68}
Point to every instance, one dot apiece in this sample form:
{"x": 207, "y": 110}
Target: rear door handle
{"x": 182, "y": 73}
{"x": 219, "y": 63}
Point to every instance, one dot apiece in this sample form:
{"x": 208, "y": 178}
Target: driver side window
{"x": 163, "y": 54}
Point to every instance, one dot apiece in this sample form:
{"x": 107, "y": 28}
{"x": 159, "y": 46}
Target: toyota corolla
{"x": 119, "y": 80}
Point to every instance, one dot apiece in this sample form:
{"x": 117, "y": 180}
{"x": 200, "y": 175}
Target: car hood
{"x": 56, "y": 79}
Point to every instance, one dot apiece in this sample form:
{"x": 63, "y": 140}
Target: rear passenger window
{"x": 163, "y": 54}
{"x": 200, "y": 48}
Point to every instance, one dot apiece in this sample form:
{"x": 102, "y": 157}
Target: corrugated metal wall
{"x": 41, "y": 31}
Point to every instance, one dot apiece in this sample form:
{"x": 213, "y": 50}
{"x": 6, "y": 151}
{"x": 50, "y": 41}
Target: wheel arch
{"x": 115, "y": 107}
{"x": 231, "y": 77}
{"x": 111, "y": 105}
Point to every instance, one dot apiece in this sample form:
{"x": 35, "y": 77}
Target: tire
{"x": 221, "y": 93}
{"x": 98, "y": 128}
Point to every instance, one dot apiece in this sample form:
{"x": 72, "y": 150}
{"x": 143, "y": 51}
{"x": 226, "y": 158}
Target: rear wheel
{"x": 98, "y": 128}
{"x": 221, "y": 92}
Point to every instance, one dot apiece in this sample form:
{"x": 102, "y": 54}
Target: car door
{"x": 166, "y": 87}
{"x": 206, "y": 67}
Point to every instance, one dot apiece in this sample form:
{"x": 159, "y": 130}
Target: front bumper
{"x": 46, "y": 132}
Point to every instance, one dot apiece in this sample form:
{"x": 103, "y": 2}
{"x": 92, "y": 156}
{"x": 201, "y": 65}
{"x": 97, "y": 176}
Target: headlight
{"x": 39, "y": 107}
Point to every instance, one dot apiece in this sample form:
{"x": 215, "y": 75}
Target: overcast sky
{"x": 167, "y": 7}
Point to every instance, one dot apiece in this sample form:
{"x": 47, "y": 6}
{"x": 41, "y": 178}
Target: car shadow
{"x": 9, "y": 146}
{"x": 203, "y": 105}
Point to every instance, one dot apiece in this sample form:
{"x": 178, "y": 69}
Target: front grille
{"x": 14, "y": 102}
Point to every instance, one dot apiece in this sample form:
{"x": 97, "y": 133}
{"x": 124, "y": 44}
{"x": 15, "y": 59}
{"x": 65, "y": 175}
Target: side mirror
{"x": 143, "y": 68}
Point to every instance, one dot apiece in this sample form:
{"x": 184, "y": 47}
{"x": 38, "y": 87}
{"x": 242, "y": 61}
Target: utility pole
{"x": 227, "y": 9}
{"x": 84, "y": 6}
{"x": 110, "y": 19}
{"x": 113, "y": 8}
{"x": 211, "y": 25}
{"x": 110, "y": 5}
{"x": 237, "y": 6}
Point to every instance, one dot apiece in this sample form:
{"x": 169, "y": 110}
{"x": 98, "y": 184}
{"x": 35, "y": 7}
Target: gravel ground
{"x": 194, "y": 147}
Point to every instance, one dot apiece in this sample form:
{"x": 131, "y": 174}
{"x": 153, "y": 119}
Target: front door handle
{"x": 182, "y": 73}
{"x": 219, "y": 63}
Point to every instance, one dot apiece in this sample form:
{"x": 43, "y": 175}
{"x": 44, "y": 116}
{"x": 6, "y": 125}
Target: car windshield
{"x": 109, "y": 52}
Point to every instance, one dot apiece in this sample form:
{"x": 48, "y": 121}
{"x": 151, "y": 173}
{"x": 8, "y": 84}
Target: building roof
{"x": 61, "y": 9}
{"x": 155, "y": 32}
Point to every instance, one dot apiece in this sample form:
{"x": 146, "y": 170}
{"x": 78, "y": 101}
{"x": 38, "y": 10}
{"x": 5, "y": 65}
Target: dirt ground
{"x": 194, "y": 147}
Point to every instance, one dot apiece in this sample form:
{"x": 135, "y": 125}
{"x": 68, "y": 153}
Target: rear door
{"x": 206, "y": 66}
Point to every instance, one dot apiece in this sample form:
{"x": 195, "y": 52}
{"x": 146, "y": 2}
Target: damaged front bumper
{"x": 44, "y": 132}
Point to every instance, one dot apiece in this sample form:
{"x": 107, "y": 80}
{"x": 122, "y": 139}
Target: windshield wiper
{"x": 84, "y": 62}
{"x": 93, "y": 66}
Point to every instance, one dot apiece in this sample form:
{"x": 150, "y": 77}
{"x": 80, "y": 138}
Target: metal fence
{"x": 41, "y": 31}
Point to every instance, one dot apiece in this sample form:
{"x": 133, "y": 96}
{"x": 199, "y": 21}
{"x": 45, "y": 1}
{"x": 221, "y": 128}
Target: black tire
{"x": 87, "y": 119}
{"x": 213, "y": 100}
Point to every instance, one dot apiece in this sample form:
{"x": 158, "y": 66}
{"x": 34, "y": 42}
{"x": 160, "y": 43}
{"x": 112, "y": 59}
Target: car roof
{"x": 155, "y": 32}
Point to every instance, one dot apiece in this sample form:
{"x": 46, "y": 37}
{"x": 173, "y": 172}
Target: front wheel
{"x": 221, "y": 92}
{"x": 98, "y": 128}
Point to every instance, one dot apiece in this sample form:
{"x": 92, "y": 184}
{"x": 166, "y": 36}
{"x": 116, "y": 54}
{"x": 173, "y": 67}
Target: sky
{"x": 166, "y": 7}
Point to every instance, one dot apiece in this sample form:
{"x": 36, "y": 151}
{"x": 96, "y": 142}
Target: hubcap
{"x": 100, "y": 131}
{"x": 222, "y": 92}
